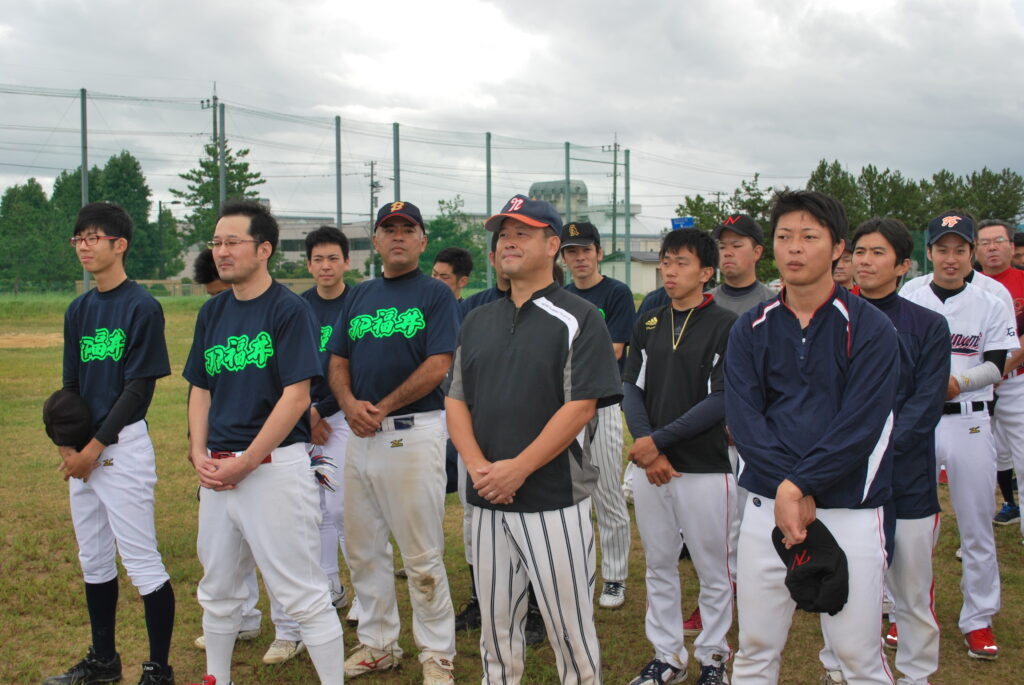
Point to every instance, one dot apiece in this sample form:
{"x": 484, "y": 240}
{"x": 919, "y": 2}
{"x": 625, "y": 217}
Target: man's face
{"x": 327, "y": 264}
{"x": 995, "y": 249}
{"x": 951, "y": 260}
{"x": 237, "y": 263}
{"x": 682, "y": 273}
{"x": 100, "y": 256}
{"x": 524, "y": 250}
{"x": 400, "y": 243}
{"x": 874, "y": 262}
{"x": 804, "y": 250}
{"x": 443, "y": 272}
{"x": 737, "y": 255}
{"x": 582, "y": 260}
{"x": 843, "y": 271}
{"x": 1018, "y": 257}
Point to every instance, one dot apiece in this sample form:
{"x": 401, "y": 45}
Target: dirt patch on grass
{"x": 10, "y": 341}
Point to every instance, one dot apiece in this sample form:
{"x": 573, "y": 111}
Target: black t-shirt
{"x": 614, "y": 300}
{"x": 514, "y": 368}
{"x": 325, "y": 315}
{"x": 245, "y": 352}
{"x": 481, "y": 298}
{"x": 387, "y": 329}
{"x": 674, "y": 380}
{"x": 111, "y": 338}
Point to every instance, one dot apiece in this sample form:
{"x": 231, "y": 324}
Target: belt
{"x": 225, "y": 454}
{"x": 957, "y": 408}
{"x": 407, "y": 421}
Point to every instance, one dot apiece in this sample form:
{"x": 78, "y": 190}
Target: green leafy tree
{"x": 202, "y": 190}
{"x": 27, "y": 236}
{"x": 995, "y": 194}
{"x": 452, "y": 228}
{"x": 889, "y": 194}
{"x": 944, "y": 191}
{"x": 706, "y": 214}
{"x": 832, "y": 179}
{"x": 756, "y": 202}
{"x": 65, "y": 202}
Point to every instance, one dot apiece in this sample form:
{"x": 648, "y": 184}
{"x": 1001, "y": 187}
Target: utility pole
{"x": 222, "y": 173}
{"x": 398, "y": 171}
{"x": 629, "y": 211}
{"x": 568, "y": 187}
{"x": 718, "y": 199}
{"x": 374, "y": 187}
{"x": 85, "y": 176}
{"x": 337, "y": 169}
{"x": 487, "y": 141}
{"x": 614, "y": 147}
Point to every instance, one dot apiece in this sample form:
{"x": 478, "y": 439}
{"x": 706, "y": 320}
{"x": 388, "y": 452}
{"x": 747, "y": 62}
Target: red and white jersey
{"x": 978, "y": 322}
{"x": 986, "y": 283}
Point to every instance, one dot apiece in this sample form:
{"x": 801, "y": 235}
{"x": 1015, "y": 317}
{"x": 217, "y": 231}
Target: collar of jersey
{"x": 546, "y": 290}
{"x": 404, "y": 277}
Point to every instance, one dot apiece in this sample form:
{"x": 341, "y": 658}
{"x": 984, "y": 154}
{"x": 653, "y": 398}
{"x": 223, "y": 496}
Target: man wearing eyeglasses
{"x": 995, "y": 252}
{"x": 254, "y": 353}
{"x": 114, "y": 351}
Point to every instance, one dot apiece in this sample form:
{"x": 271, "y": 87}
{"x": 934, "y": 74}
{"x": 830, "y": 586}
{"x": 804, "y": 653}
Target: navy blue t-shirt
{"x": 111, "y": 338}
{"x": 325, "y": 315}
{"x": 245, "y": 352}
{"x": 478, "y": 299}
{"x": 387, "y": 329}
{"x": 614, "y": 300}
{"x": 654, "y": 299}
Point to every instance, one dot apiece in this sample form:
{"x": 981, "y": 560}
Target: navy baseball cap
{"x": 67, "y": 419}
{"x": 536, "y": 213}
{"x": 579, "y": 233}
{"x": 951, "y": 222}
{"x": 406, "y": 210}
{"x": 1018, "y": 239}
{"x": 742, "y": 224}
{"x": 817, "y": 573}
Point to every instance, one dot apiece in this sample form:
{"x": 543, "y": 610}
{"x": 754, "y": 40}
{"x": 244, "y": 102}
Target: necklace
{"x": 672, "y": 331}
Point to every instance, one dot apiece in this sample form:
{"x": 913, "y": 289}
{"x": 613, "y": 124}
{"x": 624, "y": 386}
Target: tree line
{"x": 986, "y": 194}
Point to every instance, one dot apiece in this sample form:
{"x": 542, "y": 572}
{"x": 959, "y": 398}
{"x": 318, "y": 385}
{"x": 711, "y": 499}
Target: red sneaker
{"x": 981, "y": 644}
{"x": 943, "y": 477}
{"x": 693, "y": 626}
{"x": 207, "y": 680}
{"x": 892, "y": 638}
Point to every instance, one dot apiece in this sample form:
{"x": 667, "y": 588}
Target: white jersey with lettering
{"x": 978, "y": 322}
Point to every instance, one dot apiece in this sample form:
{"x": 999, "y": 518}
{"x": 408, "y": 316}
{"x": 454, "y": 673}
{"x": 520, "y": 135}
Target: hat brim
{"x": 401, "y": 214}
{"x": 577, "y": 242}
{"x": 948, "y": 229}
{"x": 494, "y": 223}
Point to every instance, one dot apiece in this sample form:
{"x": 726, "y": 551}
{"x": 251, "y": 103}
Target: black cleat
{"x": 536, "y": 633}
{"x": 89, "y": 670}
{"x": 155, "y": 674}
{"x": 469, "y": 617}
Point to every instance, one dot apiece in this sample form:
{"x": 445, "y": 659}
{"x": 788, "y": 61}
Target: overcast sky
{"x": 703, "y": 93}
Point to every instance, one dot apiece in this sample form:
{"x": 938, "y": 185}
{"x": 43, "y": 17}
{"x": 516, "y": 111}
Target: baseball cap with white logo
{"x": 536, "y": 213}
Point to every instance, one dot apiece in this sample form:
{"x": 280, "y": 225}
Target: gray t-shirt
{"x": 741, "y": 300}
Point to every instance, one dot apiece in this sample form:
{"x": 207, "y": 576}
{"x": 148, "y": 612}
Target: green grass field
{"x": 44, "y": 625}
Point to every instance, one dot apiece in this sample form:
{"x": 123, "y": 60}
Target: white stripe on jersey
{"x": 764, "y": 314}
{"x": 641, "y": 378}
{"x": 875, "y": 459}
{"x": 565, "y": 317}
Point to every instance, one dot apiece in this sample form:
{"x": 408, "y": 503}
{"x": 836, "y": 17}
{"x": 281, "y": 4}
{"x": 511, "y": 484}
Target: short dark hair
{"x": 700, "y": 243}
{"x": 894, "y": 231}
{"x": 105, "y": 216}
{"x": 1010, "y": 230}
{"x": 262, "y": 224}
{"x": 494, "y": 241}
{"x": 825, "y": 208}
{"x": 326, "y": 235}
{"x": 204, "y": 270}
{"x": 459, "y": 259}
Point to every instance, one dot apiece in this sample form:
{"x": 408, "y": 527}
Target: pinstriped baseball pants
{"x": 609, "y": 502}
{"x": 553, "y": 551}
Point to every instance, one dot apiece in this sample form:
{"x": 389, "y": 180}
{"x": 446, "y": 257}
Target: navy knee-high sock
{"x": 101, "y": 599}
{"x": 159, "y": 606}
{"x": 1005, "y": 480}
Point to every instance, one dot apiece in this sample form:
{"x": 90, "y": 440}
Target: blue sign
{"x": 683, "y": 222}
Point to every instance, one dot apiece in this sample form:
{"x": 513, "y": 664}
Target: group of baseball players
{"x": 791, "y": 442}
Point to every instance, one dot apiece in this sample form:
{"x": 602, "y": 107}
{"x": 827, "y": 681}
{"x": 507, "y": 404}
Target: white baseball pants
{"x": 395, "y": 482}
{"x": 963, "y": 442}
{"x": 766, "y": 608}
{"x": 609, "y": 502}
{"x": 1008, "y": 428}
{"x": 113, "y": 513}
{"x": 554, "y": 552}
{"x": 910, "y": 579}
{"x": 703, "y": 506}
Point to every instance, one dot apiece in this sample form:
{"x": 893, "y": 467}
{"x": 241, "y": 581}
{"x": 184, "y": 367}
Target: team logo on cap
{"x": 515, "y": 204}
{"x": 730, "y": 220}
{"x": 951, "y": 221}
{"x": 573, "y": 231}
{"x": 800, "y": 558}
{"x": 397, "y": 206}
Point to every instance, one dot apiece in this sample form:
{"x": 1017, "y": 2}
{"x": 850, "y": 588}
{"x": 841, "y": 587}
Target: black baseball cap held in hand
{"x": 817, "y": 574}
{"x": 67, "y": 419}
{"x": 536, "y": 213}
